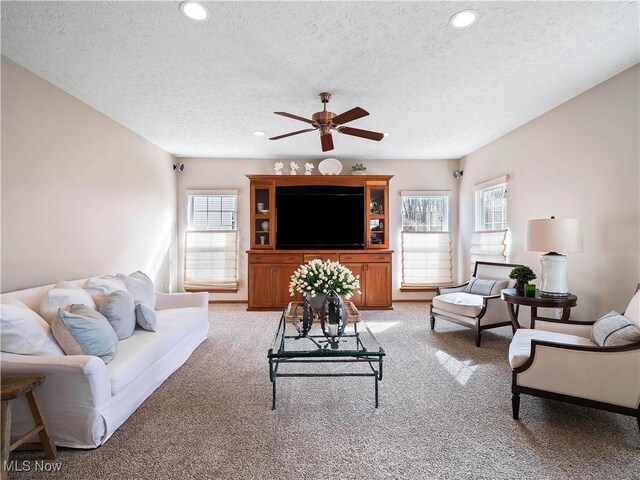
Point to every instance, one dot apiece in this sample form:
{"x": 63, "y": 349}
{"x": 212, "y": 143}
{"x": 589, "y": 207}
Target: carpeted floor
{"x": 445, "y": 413}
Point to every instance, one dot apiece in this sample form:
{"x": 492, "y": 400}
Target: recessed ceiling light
{"x": 464, "y": 18}
{"x": 259, "y": 134}
{"x": 194, "y": 11}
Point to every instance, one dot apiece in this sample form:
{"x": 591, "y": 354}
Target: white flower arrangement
{"x": 294, "y": 168}
{"x": 318, "y": 277}
{"x": 278, "y": 166}
{"x": 308, "y": 167}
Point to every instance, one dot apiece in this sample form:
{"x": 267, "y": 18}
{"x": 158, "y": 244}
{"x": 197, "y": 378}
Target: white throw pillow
{"x": 632, "y": 313}
{"x": 62, "y": 296}
{"x": 98, "y": 288}
{"x": 83, "y": 331}
{"x": 119, "y": 310}
{"x": 140, "y": 287}
{"x": 146, "y": 317}
{"x": 24, "y": 332}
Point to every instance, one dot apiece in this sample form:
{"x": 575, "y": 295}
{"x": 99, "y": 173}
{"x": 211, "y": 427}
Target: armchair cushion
{"x": 462, "y": 303}
{"x": 520, "y": 347}
{"x": 632, "y": 313}
{"x": 480, "y": 286}
{"x": 614, "y": 330}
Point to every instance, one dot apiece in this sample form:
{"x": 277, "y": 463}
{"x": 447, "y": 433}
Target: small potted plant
{"x": 522, "y": 275}
{"x": 358, "y": 169}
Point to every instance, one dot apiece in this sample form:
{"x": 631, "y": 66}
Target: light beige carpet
{"x": 445, "y": 413}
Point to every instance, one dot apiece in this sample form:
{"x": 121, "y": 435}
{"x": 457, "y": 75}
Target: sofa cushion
{"x": 84, "y": 331}
{"x": 146, "y": 317}
{"x": 484, "y": 287}
{"x": 462, "y": 303}
{"x": 24, "y": 332}
{"x": 520, "y": 347}
{"x": 632, "y": 313}
{"x": 142, "y": 349}
{"x": 62, "y": 295}
{"x": 614, "y": 330}
{"x": 119, "y": 310}
{"x": 140, "y": 287}
{"x": 100, "y": 287}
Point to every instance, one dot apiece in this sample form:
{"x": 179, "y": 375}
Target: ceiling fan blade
{"x": 327, "y": 142}
{"x": 295, "y": 117}
{"x": 356, "y": 132}
{"x": 349, "y": 116}
{"x": 292, "y": 133}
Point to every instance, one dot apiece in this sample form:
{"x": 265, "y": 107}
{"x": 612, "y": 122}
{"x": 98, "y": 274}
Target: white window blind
{"x": 426, "y": 259}
{"x": 426, "y": 243}
{"x": 211, "y": 260}
{"x": 488, "y": 246}
{"x": 211, "y": 242}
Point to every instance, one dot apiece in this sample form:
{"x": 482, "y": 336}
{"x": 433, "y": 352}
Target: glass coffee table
{"x": 357, "y": 346}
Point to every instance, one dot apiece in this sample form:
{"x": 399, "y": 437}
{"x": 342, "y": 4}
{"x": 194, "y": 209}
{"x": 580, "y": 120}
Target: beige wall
{"x": 580, "y": 160}
{"x": 209, "y": 173}
{"x": 81, "y": 194}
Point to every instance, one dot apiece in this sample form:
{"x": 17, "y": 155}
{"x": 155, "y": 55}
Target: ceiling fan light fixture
{"x": 194, "y": 11}
{"x": 464, "y": 18}
{"x": 386, "y": 134}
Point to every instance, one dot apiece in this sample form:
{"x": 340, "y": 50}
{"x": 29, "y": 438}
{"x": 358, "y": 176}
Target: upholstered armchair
{"x": 559, "y": 360}
{"x": 476, "y": 304}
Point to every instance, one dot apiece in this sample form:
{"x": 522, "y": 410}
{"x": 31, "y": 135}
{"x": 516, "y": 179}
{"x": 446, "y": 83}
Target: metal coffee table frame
{"x": 319, "y": 353}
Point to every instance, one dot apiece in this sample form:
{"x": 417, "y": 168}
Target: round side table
{"x": 515, "y": 299}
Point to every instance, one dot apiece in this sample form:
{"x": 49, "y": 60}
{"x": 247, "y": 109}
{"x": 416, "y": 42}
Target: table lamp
{"x": 554, "y": 235}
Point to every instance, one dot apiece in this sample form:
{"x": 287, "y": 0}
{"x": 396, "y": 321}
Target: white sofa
{"x": 83, "y": 399}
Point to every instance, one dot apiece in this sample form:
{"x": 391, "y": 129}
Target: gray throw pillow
{"x": 146, "y": 316}
{"x": 614, "y": 330}
{"x": 140, "y": 287}
{"x": 480, "y": 286}
{"x": 119, "y": 310}
{"x": 83, "y": 331}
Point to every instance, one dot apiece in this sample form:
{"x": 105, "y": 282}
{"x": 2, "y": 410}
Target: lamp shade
{"x": 559, "y": 235}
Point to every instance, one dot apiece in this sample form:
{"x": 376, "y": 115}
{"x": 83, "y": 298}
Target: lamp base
{"x": 554, "y": 276}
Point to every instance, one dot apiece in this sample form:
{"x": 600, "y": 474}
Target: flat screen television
{"x": 320, "y": 217}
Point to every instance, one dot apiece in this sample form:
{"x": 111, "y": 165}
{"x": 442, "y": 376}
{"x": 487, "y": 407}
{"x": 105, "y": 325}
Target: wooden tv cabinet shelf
{"x": 270, "y": 269}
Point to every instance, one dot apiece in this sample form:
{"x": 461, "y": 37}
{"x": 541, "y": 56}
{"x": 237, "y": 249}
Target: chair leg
{"x": 515, "y": 406}
{"x": 432, "y": 321}
{"x": 478, "y": 338}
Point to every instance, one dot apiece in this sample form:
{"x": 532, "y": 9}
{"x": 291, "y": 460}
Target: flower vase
{"x": 308, "y": 172}
{"x": 520, "y": 287}
{"x": 317, "y": 301}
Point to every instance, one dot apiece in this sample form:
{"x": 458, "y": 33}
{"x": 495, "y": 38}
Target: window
{"x": 211, "y": 242}
{"x": 426, "y": 241}
{"x": 491, "y": 207}
{"x": 488, "y": 241}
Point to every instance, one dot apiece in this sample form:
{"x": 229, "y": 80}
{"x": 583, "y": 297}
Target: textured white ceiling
{"x": 201, "y": 89}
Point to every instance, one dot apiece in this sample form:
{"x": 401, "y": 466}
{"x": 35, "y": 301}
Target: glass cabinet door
{"x": 377, "y": 197}
{"x": 262, "y": 216}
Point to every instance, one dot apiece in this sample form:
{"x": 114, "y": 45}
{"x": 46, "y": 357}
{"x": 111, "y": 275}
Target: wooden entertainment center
{"x": 270, "y": 269}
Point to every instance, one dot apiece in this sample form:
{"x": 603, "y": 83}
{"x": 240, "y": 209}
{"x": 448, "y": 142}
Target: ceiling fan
{"x": 326, "y": 121}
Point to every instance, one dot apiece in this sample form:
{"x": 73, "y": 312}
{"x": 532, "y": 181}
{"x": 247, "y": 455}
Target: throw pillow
{"x": 119, "y": 310}
{"x": 83, "y": 331}
{"x": 24, "y": 332}
{"x": 98, "y": 288}
{"x": 480, "y": 286}
{"x": 140, "y": 287}
{"x": 61, "y": 296}
{"x": 632, "y": 313}
{"x": 614, "y": 330}
{"x": 146, "y": 317}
